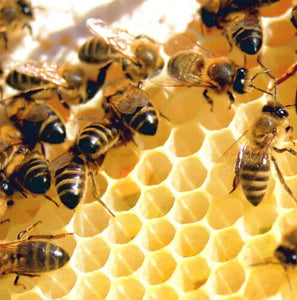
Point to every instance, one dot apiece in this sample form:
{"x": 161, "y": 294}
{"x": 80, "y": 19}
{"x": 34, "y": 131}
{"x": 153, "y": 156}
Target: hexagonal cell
{"x": 197, "y": 294}
{"x": 223, "y": 212}
{"x": 276, "y": 9}
{"x": 120, "y": 161}
{"x": 287, "y": 221}
{"x": 156, "y": 234}
{"x": 273, "y": 40}
{"x": 191, "y": 207}
{"x": 228, "y": 278}
{"x": 51, "y": 287}
{"x": 154, "y": 168}
{"x": 123, "y": 195}
{"x": 188, "y": 174}
{"x": 192, "y": 273}
{"x": 126, "y": 288}
{"x": 30, "y": 295}
{"x": 88, "y": 287}
{"x": 226, "y": 244}
{"x": 190, "y": 240}
{"x": 162, "y": 292}
{"x": 287, "y": 162}
{"x": 156, "y": 202}
{"x": 124, "y": 260}
{"x": 260, "y": 219}
{"x": 283, "y": 198}
{"x": 146, "y": 142}
{"x": 263, "y": 282}
{"x": 90, "y": 219}
{"x": 186, "y": 140}
{"x": 123, "y": 229}
{"x": 91, "y": 254}
{"x": 158, "y": 267}
{"x": 183, "y": 105}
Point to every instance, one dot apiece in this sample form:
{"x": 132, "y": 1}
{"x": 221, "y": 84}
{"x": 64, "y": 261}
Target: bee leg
{"x": 96, "y": 196}
{"x": 50, "y": 199}
{"x": 262, "y": 65}
{"x": 236, "y": 179}
{"x": 4, "y": 37}
{"x": 102, "y": 74}
{"x": 60, "y": 97}
{"x": 21, "y": 233}
{"x": 4, "y": 221}
{"x": 290, "y": 150}
{"x": 48, "y": 236}
{"x": 16, "y": 280}
{"x": 281, "y": 178}
{"x": 208, "y": 99}
{"x": 231, "y": 98}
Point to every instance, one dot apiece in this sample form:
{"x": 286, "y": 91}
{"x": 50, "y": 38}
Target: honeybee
{"x": 14, "y": 14}
{"x": 139, "y": 55}
{"x": 31, "y": 255}
{"x": 252, "y": 169}
{"x": 68, "y": 82}
{"x": 294, "y": 16}
{"x": 244, "y": 30}
{"x": 36, "y": 121}
{"x": 129, "y": 107}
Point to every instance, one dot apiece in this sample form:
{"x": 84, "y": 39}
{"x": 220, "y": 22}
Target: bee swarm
{"x": 177, "y": 232}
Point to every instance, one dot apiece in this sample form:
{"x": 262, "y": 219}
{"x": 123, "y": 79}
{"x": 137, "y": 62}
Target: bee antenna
{"x": 261, "y": 72}
{"x": 260, "y": 90}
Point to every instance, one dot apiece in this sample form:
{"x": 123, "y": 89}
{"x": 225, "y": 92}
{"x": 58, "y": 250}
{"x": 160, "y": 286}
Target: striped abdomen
{"x": 31, "y": 257}
{"x": 22, "y": 82}
{"x": 254, "y": 175}
{"x": 34, "y": 175}
{"x": 247, "y": 35}
{"x": 144, "y": 120}
{"x": 96, "y": 51}
{"x": 70, "y": 182}
{"x": 95, "y": 139}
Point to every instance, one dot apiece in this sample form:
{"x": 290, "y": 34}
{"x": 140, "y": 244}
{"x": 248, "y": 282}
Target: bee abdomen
{"x": 144, "y": 120}
{"x": 95, "y": 139}
{"x": 35, "y": 257}
{"x": 70, "y": 182}
{"x": 22, "y": 82}
{"x": 248, "y": 40}
{"x": 254, "y": 181}
{"x": 34, "y": 175}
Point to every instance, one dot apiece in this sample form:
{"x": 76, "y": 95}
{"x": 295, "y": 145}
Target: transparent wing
{"x": 37, "y": 113}
{"x": 119, "y": 38}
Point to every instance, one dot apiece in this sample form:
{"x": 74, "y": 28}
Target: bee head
{"x": 277, "y": 111}
{"x": 286, "y": 255}
{"x": 26, "y": 8}
{"x": 208, "y": 18}
{"x": 240, "y": 80}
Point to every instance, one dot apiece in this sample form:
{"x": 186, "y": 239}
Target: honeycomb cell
{"x": 126, "y": 288}
{"x": 192, "y": 273}
{"x": 26, "y": 296}
{"x": 197, "y": 294}
{"x": 91, "y": 254}
{"x": 90, "y": 219}
{"x": 191, "y": 207}
{"x": 124, "y": 260}
{"x": 276, "y": 9}
{"x": 263, "y": 282}
{"x": 225, "y": 245}
{"x": 154, "y": 168}
{"x": 287, "y": 221}
{"x": 284, "y": 199}
{"x": 94, "y": 285}
{"x": 224, "y": 212}
{"x": 156, "y": 234}
{"x": 55, "y": 286}
{"x": 123, "y": 195}
{"x": 186, "y": 140}
{"x": 124, "y": 228}
{"x": 120, "y": 161}
{"x": 277, "y": 40}
{"x": 258, "y": 220}
{"x": 224, "y": 282}
{"x": 190, "y": 240}
{"x": 158, "y": 267}
{"x": 162, "y": 292}
{"x": 156, "y": 202}
{"x": 188, "y": 174}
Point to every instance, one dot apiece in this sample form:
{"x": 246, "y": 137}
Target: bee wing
{"x": 43, "y": 70}
{"x": 37, "y": 113}
{"x": 119, "y": 38}
{"x": 61, "y": 161}
{"x": 128, "y": 105}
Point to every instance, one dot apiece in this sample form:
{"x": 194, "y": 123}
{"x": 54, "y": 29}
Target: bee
{"x": 14, "y": 14}
{"x": 68, "y": 82}
{"x": 294, "y": 16}
{"x": 139, "y": 55}
{"x": 244, "y": 30}
{"x": 93, "y": 141}
{"x": 252, "y": 169}
{"x": 31, "y": 255}
{"x": 129, "y": 107}
{"x": 36, "y": 121}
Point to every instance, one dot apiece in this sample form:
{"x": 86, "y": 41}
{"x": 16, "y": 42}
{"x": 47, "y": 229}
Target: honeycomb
{"x": 177, "y": 233}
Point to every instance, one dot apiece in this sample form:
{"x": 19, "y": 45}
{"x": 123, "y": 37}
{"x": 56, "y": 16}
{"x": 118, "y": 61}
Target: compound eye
{"x": 281, "y": 112}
